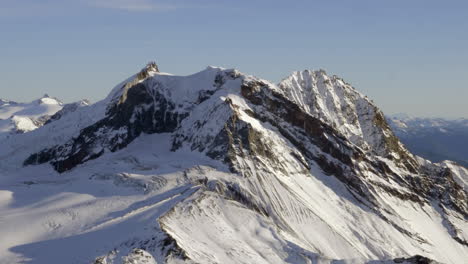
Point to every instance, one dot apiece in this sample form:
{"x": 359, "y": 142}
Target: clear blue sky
{"x": 407, "y": 55}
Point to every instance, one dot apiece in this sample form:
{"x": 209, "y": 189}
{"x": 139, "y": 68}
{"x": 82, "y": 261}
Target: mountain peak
{"x": 5, "y": 102}
{"x": 150, "y": 69}
{"x": 49, "y": 101}
{"x": 338, "y": 104}
{"x": 329, "y": 99}
{"x": 293, "y": 158}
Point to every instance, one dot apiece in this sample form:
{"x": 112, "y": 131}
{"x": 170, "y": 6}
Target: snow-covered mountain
{"x": 24, "y": 117}
{"x": 223, "y": 167}
{"x": 436, "y": 139}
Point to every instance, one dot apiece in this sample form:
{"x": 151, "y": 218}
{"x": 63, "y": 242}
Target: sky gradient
{"x": 408, "y": 56}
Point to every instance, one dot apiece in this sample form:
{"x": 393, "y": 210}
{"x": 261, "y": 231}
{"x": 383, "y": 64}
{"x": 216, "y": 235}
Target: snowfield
{"x": 222, "y": 167}
{"x": 17, "y": 118}
{"x": 24, "y": 117}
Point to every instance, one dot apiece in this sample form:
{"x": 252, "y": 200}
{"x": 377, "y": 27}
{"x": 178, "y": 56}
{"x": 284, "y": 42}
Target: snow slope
{"x": 25, "y": 117}
{"x": 223, "y": 167}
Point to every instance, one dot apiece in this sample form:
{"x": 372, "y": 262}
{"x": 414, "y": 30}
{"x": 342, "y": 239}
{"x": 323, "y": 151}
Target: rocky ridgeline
{"x": 259, "y": 129}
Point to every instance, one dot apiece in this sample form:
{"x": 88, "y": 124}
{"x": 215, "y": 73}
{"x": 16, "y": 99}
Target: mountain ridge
{"x": 278, "y": 163}
{"x": 17, "y": 118}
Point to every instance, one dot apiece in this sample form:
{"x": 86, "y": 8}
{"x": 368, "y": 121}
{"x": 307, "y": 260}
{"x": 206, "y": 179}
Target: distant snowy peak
{"x": 436, "y": 139}
{"x": 21, "y": 124}
{"x": 67, "y": 108}
{"x": 406, "y": 125}
{"x": 427, "y": 122}
{"x": 17, "y": 118}
{"x": 47, "y": 100}
{"x": 4, "y": 102}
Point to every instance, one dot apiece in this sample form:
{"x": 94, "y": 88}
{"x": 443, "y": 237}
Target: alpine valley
{"x": 222, "y": 167}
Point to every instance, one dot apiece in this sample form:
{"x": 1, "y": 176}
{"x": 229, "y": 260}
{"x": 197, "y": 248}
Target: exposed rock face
{"x": 415, "y": 260}
{"x": 124, "y": 122}
{"x": 331, "y": 124}
{"x": 142, "y": 105}
{"x": 265, "y": 134}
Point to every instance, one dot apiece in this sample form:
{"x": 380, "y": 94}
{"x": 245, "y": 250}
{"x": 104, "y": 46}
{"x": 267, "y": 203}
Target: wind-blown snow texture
{"x": 222, "y": 167}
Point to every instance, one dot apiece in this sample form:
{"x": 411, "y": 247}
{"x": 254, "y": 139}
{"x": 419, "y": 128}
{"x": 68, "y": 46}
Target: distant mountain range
{"x": 436, "y": 139}
{"x": 17, "y": 118}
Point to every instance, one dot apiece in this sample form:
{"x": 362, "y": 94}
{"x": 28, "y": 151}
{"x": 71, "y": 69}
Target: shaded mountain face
{"x": 304, "y": 171}
{"x": 435, "y": 139}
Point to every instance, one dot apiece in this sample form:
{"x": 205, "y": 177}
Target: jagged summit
{"x": 231, "y": 168}
{"x": 152, "y": 66}
{"x": 339, "y": 104}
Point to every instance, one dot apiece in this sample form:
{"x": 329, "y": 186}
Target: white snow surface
{"x": 25, "y": 117}
{"x": 121, "y": 207}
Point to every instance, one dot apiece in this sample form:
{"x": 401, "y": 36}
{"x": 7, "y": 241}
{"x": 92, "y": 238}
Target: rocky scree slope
{"x": 277, "y": 140}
